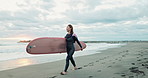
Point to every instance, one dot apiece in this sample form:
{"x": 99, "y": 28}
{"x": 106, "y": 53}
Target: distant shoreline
{"x": 27, "y": 41}
{"x": 113, "y": 41}
{"x": 24, "y": 41}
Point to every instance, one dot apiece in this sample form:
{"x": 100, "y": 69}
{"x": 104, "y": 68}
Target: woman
{"x": 70, "y": 40}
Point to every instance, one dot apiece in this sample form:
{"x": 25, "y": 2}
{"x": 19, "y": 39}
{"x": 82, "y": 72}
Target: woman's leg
{"x": 67, "y": 63}
{"x": 72, "y": 61}
{"x": 69, "y": 57}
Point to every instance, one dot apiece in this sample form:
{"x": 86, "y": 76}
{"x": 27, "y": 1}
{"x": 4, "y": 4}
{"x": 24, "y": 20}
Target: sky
{"x": 93, "y": 20}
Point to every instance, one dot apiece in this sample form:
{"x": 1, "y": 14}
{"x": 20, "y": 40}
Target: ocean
{"x": 14, "y": 55}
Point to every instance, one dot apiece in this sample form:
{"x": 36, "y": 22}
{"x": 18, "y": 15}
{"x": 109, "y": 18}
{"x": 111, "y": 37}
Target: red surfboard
{"x": 49, "y": 45}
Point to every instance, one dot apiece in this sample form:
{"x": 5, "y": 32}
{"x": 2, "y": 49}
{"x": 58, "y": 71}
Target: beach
{"x": 127, "y": 61}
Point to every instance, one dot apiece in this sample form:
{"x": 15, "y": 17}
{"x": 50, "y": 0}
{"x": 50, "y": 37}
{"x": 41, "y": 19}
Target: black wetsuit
{"x": 70, "y": 40}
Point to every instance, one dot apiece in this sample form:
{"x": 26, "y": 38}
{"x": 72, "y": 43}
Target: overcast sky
{"x": 92, "y": 19}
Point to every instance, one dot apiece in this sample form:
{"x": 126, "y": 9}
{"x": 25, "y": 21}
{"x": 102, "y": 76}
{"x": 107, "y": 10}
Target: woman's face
{"x": 68, "y": 29}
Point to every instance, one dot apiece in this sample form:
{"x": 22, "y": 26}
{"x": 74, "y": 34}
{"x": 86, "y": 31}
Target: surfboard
{"x": 50, "y": 45}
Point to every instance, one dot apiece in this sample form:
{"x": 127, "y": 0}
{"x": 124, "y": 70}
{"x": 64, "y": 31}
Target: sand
{"x": 128, "y": 61}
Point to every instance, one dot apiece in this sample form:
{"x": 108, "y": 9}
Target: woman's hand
{"x": 81, "y": 49}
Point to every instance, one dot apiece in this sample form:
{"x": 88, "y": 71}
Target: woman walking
{"x": 70, "y": 40}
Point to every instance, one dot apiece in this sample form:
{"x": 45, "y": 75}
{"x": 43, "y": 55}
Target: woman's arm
{"x": 76, "y": 39}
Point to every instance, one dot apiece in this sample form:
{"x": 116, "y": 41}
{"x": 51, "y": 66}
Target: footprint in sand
{"x": 146, "y": 65}
{"x": 123, "y": 55}
{"x": 52, "y": 77}
{"x": 114, "y": 62}
{"x": 91, "y": 64}
{"x": 116, "y": 59}
{"x": 123, "y": 75}
{"x": 103, "y": 63}
{"x": 85, "y": 65}
{"x": 90, "y": 77}
{"x": 145, "y": 58}
{"x": 139, "y": 60}
{"x": 131, "y": 76}
{"x": 109, "y": 66}
{"x": 99, "y": 71}
{"x": 97, "y": 61}
{"x": 133, "y": 63}
{"x": 119, "y": 60}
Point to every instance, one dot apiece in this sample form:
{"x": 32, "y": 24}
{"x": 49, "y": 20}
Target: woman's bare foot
{"x": 75, "y": 68}
{"x": 63, "y": 73}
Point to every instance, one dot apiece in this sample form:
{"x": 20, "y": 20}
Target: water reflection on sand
{"x": 16, "y": 63}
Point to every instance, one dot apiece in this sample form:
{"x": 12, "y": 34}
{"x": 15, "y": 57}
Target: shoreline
{"x": 39, "y": 59}
{"x": 111, "y": 63}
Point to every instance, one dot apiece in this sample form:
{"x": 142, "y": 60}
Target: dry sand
{"x": 128, "y": 61}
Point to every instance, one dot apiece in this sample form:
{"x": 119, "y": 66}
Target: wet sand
{"x": 128, "y": 61}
